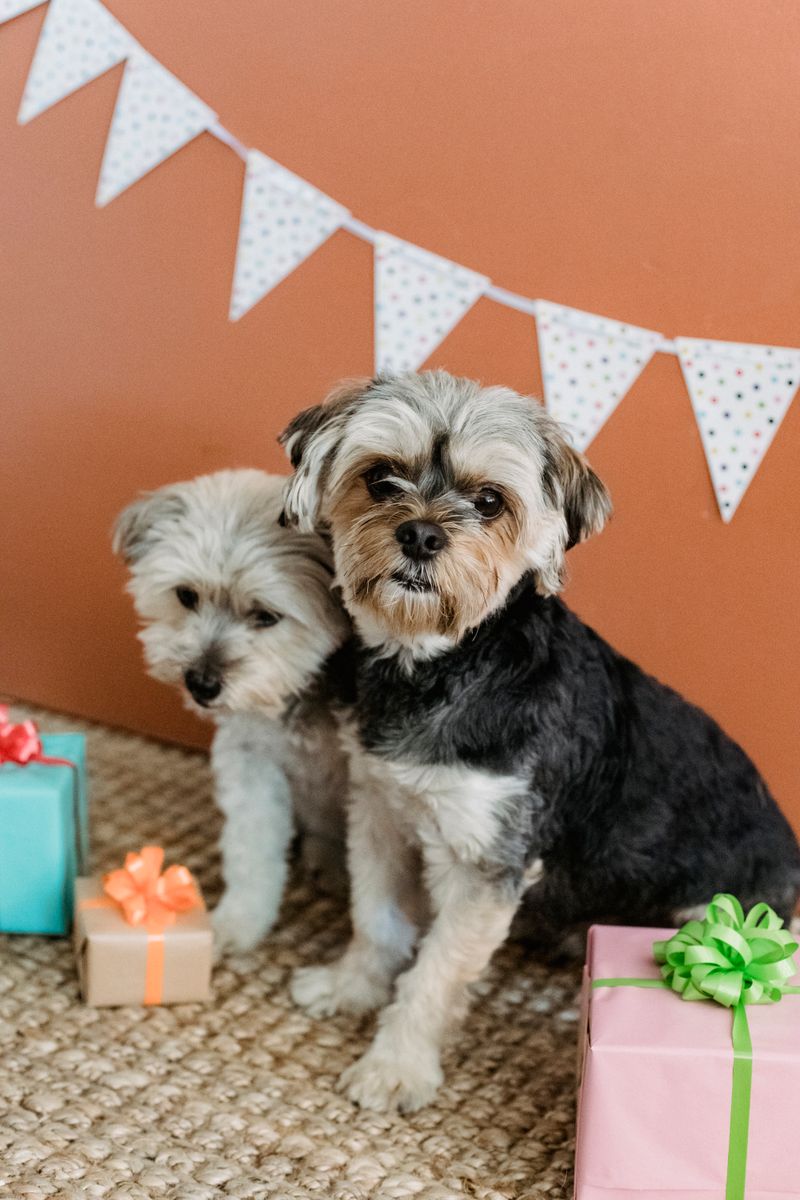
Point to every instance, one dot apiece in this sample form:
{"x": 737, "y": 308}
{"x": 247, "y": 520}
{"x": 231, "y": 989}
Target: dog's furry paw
{"x": 239, "y": 924}
{"x": 388, "y": 1084}
{"x": 324, "y": 991}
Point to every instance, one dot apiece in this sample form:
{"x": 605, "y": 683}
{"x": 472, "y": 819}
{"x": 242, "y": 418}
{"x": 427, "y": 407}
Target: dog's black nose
{"x": 420, "y": 540}
{"x": 205, "y": 685}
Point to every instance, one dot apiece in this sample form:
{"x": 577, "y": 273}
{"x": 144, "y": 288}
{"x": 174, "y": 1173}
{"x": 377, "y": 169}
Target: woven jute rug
{"x": 236, "y": 1098}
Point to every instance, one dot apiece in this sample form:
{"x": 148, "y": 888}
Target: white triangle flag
{"x": 79, "y": 41}
{"x": 740, "y": 393}
{"x": 588, "y": 364}
{"x": 154, "y": 117}
{"x": 419, "y": 299}
{"x": 284, "y": 219}
{"x": 14, "y": 8}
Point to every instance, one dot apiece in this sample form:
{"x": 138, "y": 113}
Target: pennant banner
{"x": 13, "y": 8}
{"x": 588, "y": 364}
{"x": 79, "y": 41}
{"x": 284, "y": 219}
{"x": 155, "y": 115}
{"x": 740, "y": 394}
{"x": 419, "y": 299}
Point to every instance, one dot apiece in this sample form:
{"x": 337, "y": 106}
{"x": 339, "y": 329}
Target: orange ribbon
{"x": 150, "y": 899}
{"x": 147, "y": 897}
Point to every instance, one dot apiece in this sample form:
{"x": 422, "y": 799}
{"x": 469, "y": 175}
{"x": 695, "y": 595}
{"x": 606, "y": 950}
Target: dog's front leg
{"x": 401, "y": 1070}
{"x": 384, "y": 910}
{"x": 253, "y": 793}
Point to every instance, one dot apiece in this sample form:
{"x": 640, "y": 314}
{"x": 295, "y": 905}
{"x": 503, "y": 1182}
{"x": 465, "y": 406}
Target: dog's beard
{"x": 407, "y": 603}
{"x": 445, "y": 596}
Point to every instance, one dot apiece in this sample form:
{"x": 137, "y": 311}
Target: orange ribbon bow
{"x": 147, "y": 897}
{"x": 151, "y": 900}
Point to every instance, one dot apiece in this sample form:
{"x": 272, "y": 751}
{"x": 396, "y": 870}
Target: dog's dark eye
{"x": 188, "y": 597}
{"x": 262, "y": 618}
{"x": 489, "y": 503}
{"x": 378, "y": 486}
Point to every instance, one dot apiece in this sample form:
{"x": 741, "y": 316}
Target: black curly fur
{"x": 636, "y": 801}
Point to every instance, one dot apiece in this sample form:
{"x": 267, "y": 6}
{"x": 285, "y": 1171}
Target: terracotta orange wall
{"x": 633, "y": 159}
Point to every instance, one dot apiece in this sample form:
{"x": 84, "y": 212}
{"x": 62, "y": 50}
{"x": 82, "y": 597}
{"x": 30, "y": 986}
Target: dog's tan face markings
{"x": 491, "y": 469}
{"x": 478, "y": 517}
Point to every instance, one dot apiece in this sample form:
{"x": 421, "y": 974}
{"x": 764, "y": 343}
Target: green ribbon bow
{"x": 729, "y": 957}
{"x": 735, "y": 960}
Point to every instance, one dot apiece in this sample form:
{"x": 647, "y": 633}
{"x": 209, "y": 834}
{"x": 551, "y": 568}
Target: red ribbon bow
{"x": 18, "y": 743}
{"x": 148, "y": 897}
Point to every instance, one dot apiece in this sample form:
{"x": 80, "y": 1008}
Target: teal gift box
{"x": 43, "y": 836}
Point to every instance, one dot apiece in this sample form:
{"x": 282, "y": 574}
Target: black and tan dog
{"x": 498, "y": 746}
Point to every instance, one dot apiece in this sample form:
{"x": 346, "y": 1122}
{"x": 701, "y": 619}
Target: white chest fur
{"x": 453, "y": 806}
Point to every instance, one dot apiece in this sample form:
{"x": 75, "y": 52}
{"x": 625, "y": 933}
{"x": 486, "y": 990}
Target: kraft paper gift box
{"x": 43, "y": 828}
{"x": 654, "y": 1114}
{"x": 149, "y": 963}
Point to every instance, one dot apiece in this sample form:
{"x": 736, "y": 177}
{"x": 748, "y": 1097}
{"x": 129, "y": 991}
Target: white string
{"x": 361, "y": 230}
{"x": 511, "y": 300}
{"x": 666, "y": 346}
{"x": 225, "y": 135}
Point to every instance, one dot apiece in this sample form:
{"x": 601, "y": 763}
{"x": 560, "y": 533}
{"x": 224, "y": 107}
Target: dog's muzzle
{"x": 421, "y": 540}
{"x": 203, "y": 683}
{"x": 412, "y": 582}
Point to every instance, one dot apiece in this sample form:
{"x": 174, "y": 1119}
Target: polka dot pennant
{"x": 284, "y": 219}
{"x": 419, "y": 299}
{"x": 13, "y": 8}
{"x": 740, "y": 394}
{"x": 588, "y": 364}
{"x": 155, "y": 116}
{"x": 79, "y": 41}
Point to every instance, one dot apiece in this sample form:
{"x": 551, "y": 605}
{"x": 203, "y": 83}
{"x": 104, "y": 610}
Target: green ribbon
{"x": 735, "y": 960}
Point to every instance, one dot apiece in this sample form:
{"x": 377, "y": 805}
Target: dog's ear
{"x": 578, "y": 498}
{"x": 584, "y": 497}
{"x": 300, "y": 430}
{"x": 312, "y": 439}
{"x": 136, "y": 528}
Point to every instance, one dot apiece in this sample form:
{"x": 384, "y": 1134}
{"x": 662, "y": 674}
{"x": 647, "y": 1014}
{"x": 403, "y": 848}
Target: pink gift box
{"x": 655, "y": 1097}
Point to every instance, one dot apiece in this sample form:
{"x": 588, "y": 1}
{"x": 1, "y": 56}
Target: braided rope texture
{"x": 236, "y": 1098}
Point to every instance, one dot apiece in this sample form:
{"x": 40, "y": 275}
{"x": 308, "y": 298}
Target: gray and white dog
{"x": 238, "y": 613}
{"x": 499, "y": 747}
